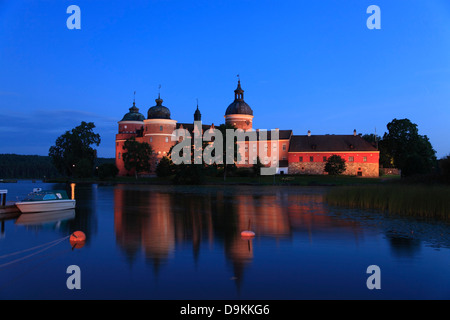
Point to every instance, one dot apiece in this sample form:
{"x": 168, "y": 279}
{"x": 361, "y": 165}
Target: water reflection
{"x": 44, "y": 218}
{"x": 190, "y": 240}
{"x": 156, "y": 221}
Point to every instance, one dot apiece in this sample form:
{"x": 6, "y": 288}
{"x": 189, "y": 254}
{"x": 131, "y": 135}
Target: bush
{"x": 83, "y": 169}
{"x": 335, "y": 165}
{"x": 444, "y": 165}
{"x": 164, "y": 167}
{"x": 107, "y": 170}
{"x": 189, "y": 174}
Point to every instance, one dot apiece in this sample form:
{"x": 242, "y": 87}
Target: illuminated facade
{"x": 292, "y": 154}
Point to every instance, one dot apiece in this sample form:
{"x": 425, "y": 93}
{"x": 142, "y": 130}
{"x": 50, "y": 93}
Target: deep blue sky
{"x": 304, "y": 65}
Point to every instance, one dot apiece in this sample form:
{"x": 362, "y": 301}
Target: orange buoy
{"x": 77, "y": 239}
{"x": 247, "y": 233}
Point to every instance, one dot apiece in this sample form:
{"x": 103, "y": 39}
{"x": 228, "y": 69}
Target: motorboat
{"x": 50, "y": 200}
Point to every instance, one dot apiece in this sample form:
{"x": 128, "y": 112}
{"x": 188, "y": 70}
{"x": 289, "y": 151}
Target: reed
{"x": 424, "y": 201}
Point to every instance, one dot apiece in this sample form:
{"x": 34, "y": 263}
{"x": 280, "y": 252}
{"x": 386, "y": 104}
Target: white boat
{"x": 41, "y": 201}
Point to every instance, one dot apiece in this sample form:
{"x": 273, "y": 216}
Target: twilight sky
{"x": 304, "y": 65}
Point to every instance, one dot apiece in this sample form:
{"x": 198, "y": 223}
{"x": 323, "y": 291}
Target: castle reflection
{"x": 154, "y": 222}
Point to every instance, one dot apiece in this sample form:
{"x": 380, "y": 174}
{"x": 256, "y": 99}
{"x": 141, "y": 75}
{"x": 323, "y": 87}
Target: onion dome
{"x": 239, "y": 106}
{"x": 134, "y": 114}
{"x": 158, "y": 111}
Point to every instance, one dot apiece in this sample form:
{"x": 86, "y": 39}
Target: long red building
{"x": 292, "y": 154}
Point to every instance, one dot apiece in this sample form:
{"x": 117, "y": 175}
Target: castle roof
{"x": 239, "y": 106}
{"x": 282, "y": 134}
{"x": 133, "y": 115}
{"x": 159, "y": 111}
{"x": 329, "y": 143}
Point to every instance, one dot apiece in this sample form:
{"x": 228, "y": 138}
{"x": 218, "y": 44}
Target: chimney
{"x": 309, "y": 133}
{"x": 354, "y": 132}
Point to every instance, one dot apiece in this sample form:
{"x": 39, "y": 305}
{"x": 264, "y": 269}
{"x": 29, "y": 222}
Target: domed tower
{"x": 239, "y": 112}
{"x": 159, "y": 128}
{"x": 131, "y": 125}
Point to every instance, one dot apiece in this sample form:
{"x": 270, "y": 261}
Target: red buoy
{"x": 247, "y": 233}
{"x": 77, "y": 239}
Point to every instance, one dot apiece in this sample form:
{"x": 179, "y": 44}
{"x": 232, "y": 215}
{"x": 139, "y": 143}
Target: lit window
{"x": 350, "y": 159}
{"x": 167, "y": 139}
{"x": 365, "y": 159}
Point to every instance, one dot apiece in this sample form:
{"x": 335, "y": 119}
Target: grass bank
{"x": 424, "y": 201}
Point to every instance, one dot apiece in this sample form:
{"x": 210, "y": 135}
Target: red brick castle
{"x": 293, "y": 154}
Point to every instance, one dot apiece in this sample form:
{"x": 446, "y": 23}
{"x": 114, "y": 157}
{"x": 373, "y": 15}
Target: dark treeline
{"x": 14, "y": 166}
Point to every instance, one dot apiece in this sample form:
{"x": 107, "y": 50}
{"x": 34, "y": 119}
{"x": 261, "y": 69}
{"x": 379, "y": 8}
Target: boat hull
{"x": 44, "y": 206}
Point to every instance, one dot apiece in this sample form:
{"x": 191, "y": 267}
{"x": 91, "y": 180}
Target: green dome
{"x": 133, "y": 115}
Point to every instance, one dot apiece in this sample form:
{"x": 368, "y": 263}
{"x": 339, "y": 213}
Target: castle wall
{"x": 365, "y": 164}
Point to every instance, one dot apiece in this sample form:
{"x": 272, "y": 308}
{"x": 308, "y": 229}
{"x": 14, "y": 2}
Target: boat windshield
{"x": 46, "y": 195}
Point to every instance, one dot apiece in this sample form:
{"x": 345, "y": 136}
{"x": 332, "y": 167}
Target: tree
{"x": 137, "y": 156}
{"x": 335, "y": 165}
{"x": 228, "y": 167}
{"x": 165, "y": 167}
{"x": 73, "y": 150}
{"x": 257, "y": 167}
{"x": 107, "y": 170}
{"x": 444, "y": 165}
{"x": 412, "y": 153}
{"x": 372, "y": 138}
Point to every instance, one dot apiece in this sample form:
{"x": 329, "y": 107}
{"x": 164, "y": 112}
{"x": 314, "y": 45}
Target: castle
{"x": 294, "y": 154}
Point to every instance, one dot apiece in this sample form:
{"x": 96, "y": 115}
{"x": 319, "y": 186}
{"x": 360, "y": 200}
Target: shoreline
{"x": 279, "y": 180}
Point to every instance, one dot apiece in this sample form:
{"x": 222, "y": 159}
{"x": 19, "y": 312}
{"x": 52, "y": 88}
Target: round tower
{"x": 159, "y": 128}
{"x": 130, "y": 126}
{"x": 239, "y": 112}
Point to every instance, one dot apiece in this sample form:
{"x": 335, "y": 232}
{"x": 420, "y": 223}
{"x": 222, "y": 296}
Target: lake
{"x": 184, "y": 242}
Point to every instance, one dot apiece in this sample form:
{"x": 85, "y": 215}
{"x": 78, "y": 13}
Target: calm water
{"x": 164, "y": 242}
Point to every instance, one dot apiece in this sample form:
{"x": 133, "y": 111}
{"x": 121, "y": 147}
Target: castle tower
{"x": 130, "y": 126}
{"x": 239, "y": 112}
{"x": 159, "y": 128}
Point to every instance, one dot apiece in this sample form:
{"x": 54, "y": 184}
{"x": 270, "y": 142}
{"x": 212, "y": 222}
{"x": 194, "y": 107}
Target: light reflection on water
{"x": 175, "y": 242}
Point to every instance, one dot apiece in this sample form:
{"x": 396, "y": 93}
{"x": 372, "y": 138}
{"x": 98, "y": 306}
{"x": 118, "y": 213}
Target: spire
{"x": 134, "y": 109}
{"x": 159, "y": 101}
{"x": 197, "y": 114}
{"x": 239, "y": 93}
